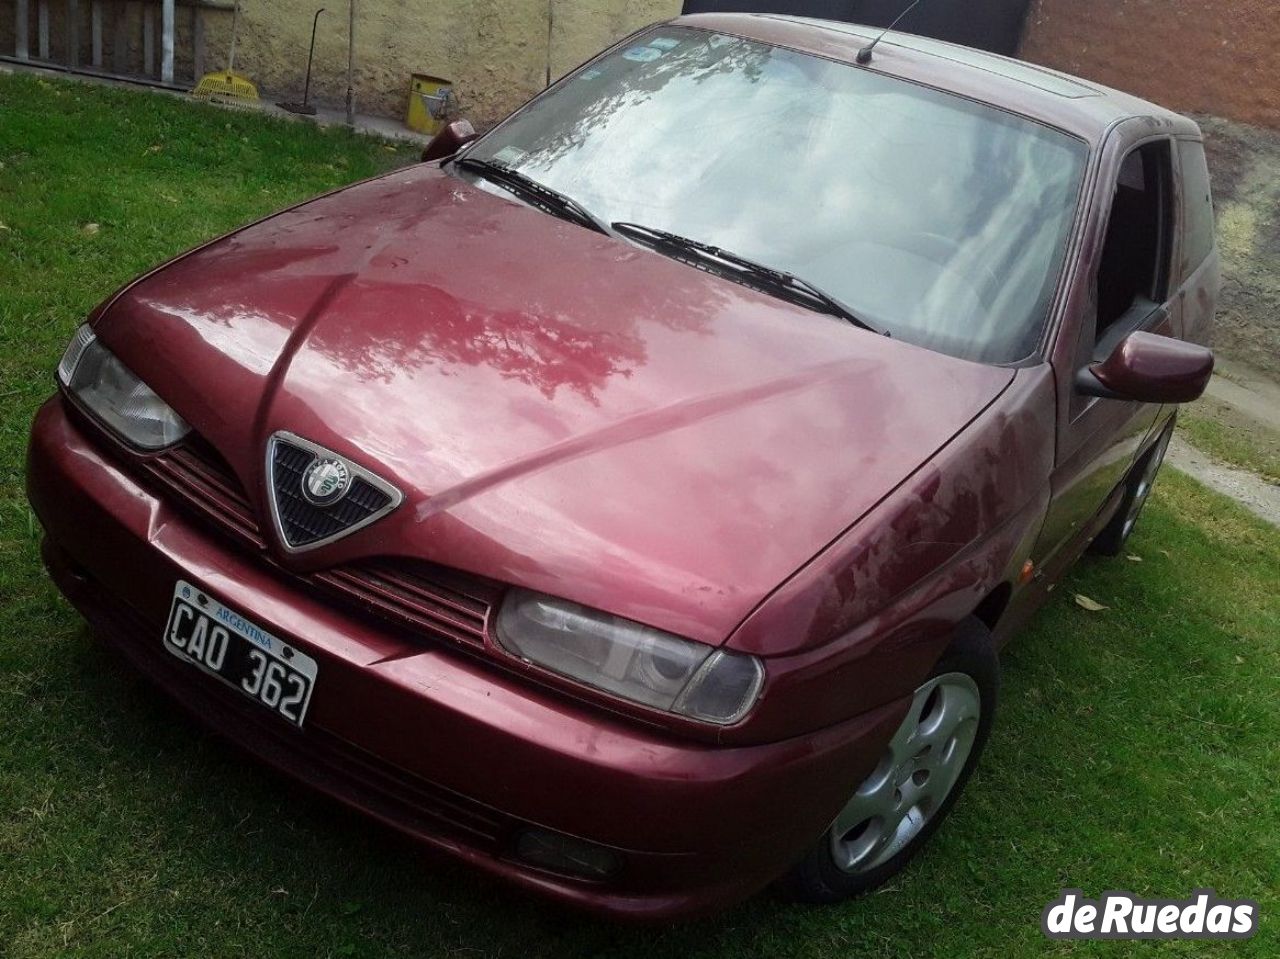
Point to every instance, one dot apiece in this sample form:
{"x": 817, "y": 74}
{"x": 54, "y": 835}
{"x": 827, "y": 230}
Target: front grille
{"x": 312, "y": 754}
{"x": 200, "y": 476}
{"x": 400, "y": 594}
{"x": 429, "y": 600}
{"x": 303, "y": 523}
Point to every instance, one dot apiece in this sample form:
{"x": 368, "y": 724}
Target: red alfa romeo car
{"x": 632, "y": 501}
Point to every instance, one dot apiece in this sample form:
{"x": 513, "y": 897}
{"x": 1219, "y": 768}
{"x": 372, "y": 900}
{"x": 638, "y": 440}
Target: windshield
{"x": 939, "y": 220}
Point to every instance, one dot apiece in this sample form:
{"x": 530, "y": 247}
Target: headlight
{"x": 109, "y": 390}
{"x": 635, "y": 662}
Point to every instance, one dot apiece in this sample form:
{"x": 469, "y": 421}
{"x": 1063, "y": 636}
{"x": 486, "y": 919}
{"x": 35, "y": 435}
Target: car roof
{"x": 1081, "y": 107}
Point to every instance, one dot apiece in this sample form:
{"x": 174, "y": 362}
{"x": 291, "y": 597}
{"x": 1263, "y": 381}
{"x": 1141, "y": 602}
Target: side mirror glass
{"x": 1149, "y": 368}
{"x": 451, "y": 138}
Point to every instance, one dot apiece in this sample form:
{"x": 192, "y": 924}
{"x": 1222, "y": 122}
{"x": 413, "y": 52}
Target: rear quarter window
{"x": 1197, "y": 208}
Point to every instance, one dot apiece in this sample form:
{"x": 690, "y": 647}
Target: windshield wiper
{"x": 768, "y": 278}
{"x": 540, "y": 195}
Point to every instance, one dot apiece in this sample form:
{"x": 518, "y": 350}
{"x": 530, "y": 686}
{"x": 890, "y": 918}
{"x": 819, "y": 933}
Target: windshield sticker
{"x": 509, "y": 155}
{"x": 642, "y": 54}
{"x": 664, "y": 43}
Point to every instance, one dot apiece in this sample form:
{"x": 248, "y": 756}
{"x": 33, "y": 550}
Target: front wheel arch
{"x": 992, "y": 607}
{"x": 817, "y": 877}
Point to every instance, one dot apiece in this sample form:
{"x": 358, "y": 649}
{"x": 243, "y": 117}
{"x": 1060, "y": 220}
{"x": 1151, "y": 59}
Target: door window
{"x": 1133, "y": 272}
{"x": 1197, "y": 207}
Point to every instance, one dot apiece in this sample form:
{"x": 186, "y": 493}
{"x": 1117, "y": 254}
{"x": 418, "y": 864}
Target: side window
{"x": 1197, "y": 208}
{"x": 1133, "y": 271}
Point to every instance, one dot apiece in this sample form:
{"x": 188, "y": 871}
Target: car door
{"x": 1122, "y": 285}
{"x": 1198, "y": 272}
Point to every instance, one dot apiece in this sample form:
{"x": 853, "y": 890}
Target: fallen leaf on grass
{"x": 1092, "y": 605}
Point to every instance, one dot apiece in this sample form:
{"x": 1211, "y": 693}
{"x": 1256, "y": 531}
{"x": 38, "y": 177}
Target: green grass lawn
{"x": 1232, "y": 445}
{"x": 1136, "y": 748}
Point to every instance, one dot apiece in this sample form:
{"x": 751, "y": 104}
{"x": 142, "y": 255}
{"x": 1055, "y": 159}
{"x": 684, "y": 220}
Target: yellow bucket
{"x": 430, "y": 103}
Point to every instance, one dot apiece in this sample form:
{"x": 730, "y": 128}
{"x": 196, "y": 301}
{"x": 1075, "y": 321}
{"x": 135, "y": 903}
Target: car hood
{"x": 562, "y": 410}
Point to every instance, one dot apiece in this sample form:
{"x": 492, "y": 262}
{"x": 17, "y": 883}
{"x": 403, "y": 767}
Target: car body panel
{"x": 493, "y": 362}
{"x": 1083, "y": 108}
{"x": 869, "y": 616}
{"x": 1098, "y": 440}
{"x": 392, "y": 724}
{"x": 961, "y": 496}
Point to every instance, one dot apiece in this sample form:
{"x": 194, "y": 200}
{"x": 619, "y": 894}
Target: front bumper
{"x": 438, "y": 745}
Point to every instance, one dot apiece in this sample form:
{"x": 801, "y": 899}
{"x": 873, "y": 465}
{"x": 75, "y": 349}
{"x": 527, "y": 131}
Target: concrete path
{"x": 1248, "y": 489}
{"x": 1246, "y": 399}
{"x": 1248, "y": 391}
{"x": 384, "y": 127}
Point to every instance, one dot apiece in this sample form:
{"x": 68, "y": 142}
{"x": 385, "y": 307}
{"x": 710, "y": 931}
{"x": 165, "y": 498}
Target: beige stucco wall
{"x": 495, "y": 51}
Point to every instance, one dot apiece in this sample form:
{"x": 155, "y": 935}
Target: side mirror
{"x": 1150, "y": 368}
{"x": 451, "y": 138}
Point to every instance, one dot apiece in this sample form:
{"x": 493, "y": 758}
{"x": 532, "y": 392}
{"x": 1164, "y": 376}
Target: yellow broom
{"x": 228, "y": 83}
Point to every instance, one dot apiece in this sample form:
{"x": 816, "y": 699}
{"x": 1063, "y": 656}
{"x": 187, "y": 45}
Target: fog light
{"x": 566, "y": 854}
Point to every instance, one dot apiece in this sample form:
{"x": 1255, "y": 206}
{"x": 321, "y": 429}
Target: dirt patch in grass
{"x": 1245, "y": 165}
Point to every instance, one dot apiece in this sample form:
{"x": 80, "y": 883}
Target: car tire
{"x": 916, "y": 783}
{"x": 1112, "y": 539}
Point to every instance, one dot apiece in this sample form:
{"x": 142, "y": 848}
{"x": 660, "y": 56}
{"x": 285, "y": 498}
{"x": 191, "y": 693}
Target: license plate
{"x": 220, "y": 641}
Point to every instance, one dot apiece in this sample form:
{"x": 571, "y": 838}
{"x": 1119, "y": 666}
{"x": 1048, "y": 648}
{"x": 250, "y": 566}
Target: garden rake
{"x": 228, "y": 83}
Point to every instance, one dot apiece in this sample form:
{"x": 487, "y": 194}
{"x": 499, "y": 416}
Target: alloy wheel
{"x": 1145, "y": 482}
{"x": 911, "y": 783}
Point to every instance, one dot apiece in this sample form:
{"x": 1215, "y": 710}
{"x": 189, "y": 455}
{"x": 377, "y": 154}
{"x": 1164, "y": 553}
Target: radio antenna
{"x": 864, "y": 55}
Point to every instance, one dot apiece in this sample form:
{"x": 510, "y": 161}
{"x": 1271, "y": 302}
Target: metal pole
{"x": 551, "y": 25}
{"x": 351, "y": 64}
{"x": 95, "y": 28}
{"x": 197, "y": 41}
{"x": 235, "y": 26}
{"x": 148, "y": 41}
{"x": 42, "y": 27}
{"x": 166, "y": 41}
{"x": 21, "y": 22}
{"x": 306, "y": 87}
{"x": 120, "y": 45}
{"x": 73, "y": 34}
